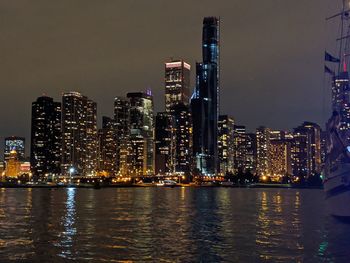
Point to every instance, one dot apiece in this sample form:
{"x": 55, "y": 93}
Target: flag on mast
{"x": 328, "y": 70}
{"x": 328, "y": 57}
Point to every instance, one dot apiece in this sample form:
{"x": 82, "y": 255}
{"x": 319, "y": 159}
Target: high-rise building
{"x": 323, "y": 145}
{"x": 226, "y": 144}
{"x": 306, "y": 149}
{"x": 46, "y": 138}
{"x": 122, "y": 133}
{"x": 17, "y": 144}
{"x": 164, "y": 144}
{"x": 79, "y": 135}
{"x": 91, "y": 138}
{"x": 340, "y": 101}
{"x": 205, "y": 100}
{"x": 107, "y": 148}
{"x": 263, "y": 151}
{"x": 177, "y": 83}
{"x": 250, "y": 159}
{"x": 280, "y": 158}
{"x": 137, "y": 154}
{"x": 280, "y": 153}
{"x": 240, "y": 147}
{"x": 182, "y": 125}
{"x": 142, "y": 129}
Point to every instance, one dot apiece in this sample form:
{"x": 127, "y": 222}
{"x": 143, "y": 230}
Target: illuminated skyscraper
{"x": 250, "y": 159}
{"x": 323, "y": 145}
{"x": 46, "y": 137}
{"x": 164, "y": 144}
{"x": 226, "y": 144}
{"x": 306, "y": 149}
{"x": 205, "y": 101}
{"x": 142, "y": 132}
{"x": 122, "y": 133}
{"x": 182, "y": 125}
{"x": 107, "y": 148}
{"x": 280, "y": 157}
{"x": 240, "y": 148}
{"x": 17, "y": 144}
{"x": 340, "y": 100}
{"x": 263, "y": 151}
{"x": 91, "y": 138}
{"x": 79, "y": 134}
{"x": 177, "y": 83}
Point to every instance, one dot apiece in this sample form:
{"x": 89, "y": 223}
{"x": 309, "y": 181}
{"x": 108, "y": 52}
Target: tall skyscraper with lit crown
{"x": 177, "y": 83}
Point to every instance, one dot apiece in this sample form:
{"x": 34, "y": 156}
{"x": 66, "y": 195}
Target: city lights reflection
{"x": 68, "y": 222}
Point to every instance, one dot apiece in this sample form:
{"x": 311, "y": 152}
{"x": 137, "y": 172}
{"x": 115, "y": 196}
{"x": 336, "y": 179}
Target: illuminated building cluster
{"x": 188, "y": 138}
{"x": 281, "y": 153}
{"x": 173, "y": 130}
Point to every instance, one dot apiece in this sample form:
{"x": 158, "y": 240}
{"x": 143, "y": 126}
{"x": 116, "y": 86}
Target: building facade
{"x": 107, "y": 148}
{"x": 164, "y": 144}
{"x": 79, "y": 135}
{"x": 341, "y": 101}
{"x": 142, "y": 129}
{"x": 226, "y": 144}
{"x": 205, "y": 101}
{"x": 122, "y": 133}
{"x": 46, "y": 138}
{"x": 306, "y": 150}
{"x": 177, "y": 83}
{"x": 14, "y": 143}
{"x": 251, "y": 152}
{"x": 182, "y": 126}
{"x": 263, "y": 151}
{"x": 240, "y": 148}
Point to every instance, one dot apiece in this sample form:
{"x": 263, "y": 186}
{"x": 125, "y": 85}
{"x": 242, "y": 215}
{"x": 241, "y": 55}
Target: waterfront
{"x": 169, "y": 224}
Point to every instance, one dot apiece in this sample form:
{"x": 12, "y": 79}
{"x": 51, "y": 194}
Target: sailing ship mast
{"x": 343, "y": 49}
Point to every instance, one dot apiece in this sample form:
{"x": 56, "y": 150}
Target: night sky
{"x": 271, "y": 55}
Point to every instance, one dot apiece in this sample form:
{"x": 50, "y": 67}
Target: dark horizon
{"x": 271, "y": 56}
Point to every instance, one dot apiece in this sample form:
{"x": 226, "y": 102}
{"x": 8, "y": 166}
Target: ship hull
{"x": 337, "y": 189}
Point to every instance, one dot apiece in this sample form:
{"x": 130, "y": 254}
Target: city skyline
{"x": 253, "y": 68}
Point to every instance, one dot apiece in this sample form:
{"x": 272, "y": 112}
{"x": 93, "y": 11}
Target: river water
{"x": 169, "y": 225}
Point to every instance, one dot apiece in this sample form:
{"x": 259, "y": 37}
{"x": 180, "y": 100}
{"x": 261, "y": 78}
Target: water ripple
{"x": 167, "y": 225}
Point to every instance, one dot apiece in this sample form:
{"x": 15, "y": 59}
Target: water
{"x": 167, "y": 225}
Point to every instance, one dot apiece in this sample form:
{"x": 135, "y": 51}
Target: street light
{"x": 71, "y": 171}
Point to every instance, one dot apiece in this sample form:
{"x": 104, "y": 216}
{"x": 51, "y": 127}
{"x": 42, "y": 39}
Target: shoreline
{"x": 265, "y": 186}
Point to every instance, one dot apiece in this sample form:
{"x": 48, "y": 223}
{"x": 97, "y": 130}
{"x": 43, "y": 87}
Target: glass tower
{"x": 205, "y": 100}
{"x": 45, "y": 150}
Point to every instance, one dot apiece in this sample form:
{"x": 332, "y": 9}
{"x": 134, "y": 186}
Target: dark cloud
{"x": 271, "y": 56}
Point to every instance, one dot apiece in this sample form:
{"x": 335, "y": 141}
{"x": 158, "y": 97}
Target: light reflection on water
{"x": 163, "y": 224}
{"x": 68, "y": 222}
